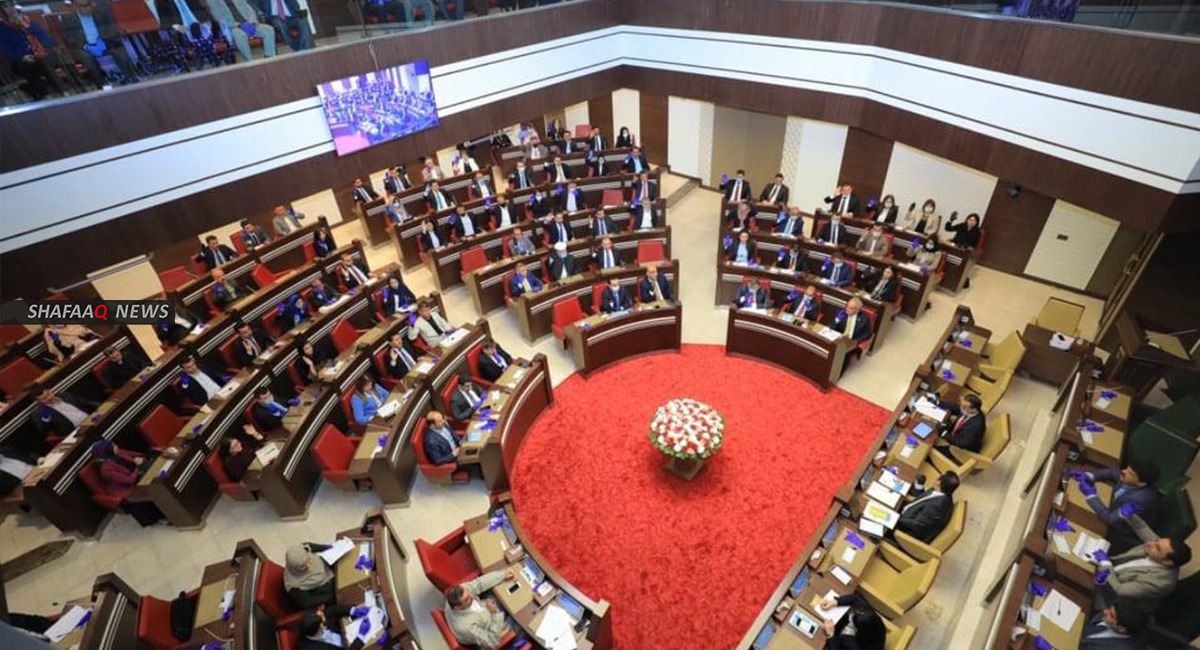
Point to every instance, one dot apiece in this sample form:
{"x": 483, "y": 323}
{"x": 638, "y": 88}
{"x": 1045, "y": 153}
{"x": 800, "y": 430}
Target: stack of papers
{"x": 424, "y": 367}
{"x": 1059, "y": 610}
{"x": 65, "y": 624}
{"x": 830, "y": 334}
{"x": 881, "y": 514}
{"x": 389, "y": 409}
{"x": 339, "y": 548}
{"x": 833, "y": 614}
{"x": 555, "y": 629}
{"x": 1086, "y": 546}
{"x": 267, "y": 453}
{"x": 454, "y": 337}
{"x": 930, "y": 410}
{"x": 883, "y": 494}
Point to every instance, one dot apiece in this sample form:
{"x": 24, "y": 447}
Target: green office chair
{"x": 1175, "y": 623}
{"x": 1181, "y": 417}
{"x": 1173, "y": 453}
{"x": 1176, "y": 517}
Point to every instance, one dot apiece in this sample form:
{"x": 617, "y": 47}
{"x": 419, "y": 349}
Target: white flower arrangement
{"x": 688, "y": 429}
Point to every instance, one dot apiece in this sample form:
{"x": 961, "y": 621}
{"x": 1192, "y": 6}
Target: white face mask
{"x": 887, "y": 204}
{"x": 928, "y": 209}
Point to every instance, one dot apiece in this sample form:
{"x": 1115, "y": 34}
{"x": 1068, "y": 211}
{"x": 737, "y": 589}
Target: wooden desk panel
{"x": 529, "y": 394}
{"x": 1045, "y": 363}
{"x": 602, "y": 339}
{"x": 795, "y": 347}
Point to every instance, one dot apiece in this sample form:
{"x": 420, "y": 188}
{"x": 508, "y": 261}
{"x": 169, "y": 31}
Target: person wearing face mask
{"x": 966, "y": 234}
{"x": 884, "y": 288}
{"x": 927, "y": 255}
{"x": 790, "y": 223}
{"x": 926, "y": 222}
{"x": 520, "y": 243}
{"x": 806, "y": 306}
{"x": 562, "y": 265}
{"x": 740, "y": 216}
{"x": 843, "y": 201}
{"x": 267, "y": 411}
{"x": 873, "y": 242}
{"x": 502, "y": 213}
{"x": 521, "y": 177}
{"x": 887, "y": 211}
{"x": 737, "y": 188}
{"x": 833, "y": 232}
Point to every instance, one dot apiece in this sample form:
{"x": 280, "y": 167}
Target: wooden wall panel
{"x": 654, "y": 117}
{"x": 1167, "y": 297}
{"x": 600, "y": 113}
{"x": 1124, "y": 244}
{"x": 1013, "y": 226}
{"x": 865, "y": 163}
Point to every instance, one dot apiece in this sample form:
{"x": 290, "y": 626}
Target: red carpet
{"x": 685, "y": 565}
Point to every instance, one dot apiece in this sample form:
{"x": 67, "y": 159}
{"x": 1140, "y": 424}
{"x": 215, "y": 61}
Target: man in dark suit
{"x": 267, "y": 411}
{"x": 1115, "y": 627}
{"x": 399, "y": 358}
{"x": 843, "y": 201}
{"x": 225, "y": 291}
{"x": 317, "y": 632}
{"x": 466, "y": 399}
{"x": 286, "y": 16}
{"x": 198, "y": 384}
{"x": 441, "y": 442}
{"x": 396, "y": 181}
{"x": 836, "y": 271}
{"x": 737, "y": 188}
{"x": 752, "y": 295}
{"x": 884, "y": 287}
{"x": 571, "y": 199}
{"x": 654, "y": 286}
{"x": 503, "y": 214}
{"x": 172, "y": 331}
{"x": 776, "y": 193}
{"x": 57, "y": 416}
{"x": 833, "y": 232}
{"x": 558, "y": 229}
{"x": 607, "y": 256}
{"x": 644, "y": 190}
{"x": 493, "y": 360}
{"x": 966, "y": 432}
{"x": 927, "y": 516}
{"x": 120, "y": 367}
{"x": 596, "y": 140}
{"x": 557, "y": 173}
{"x": 253, "y": 236}
{"x": 353, "y": 273}
{"x": 437, "y": 199}
{"x": 1133, "y": 485}
{"x": 792, "y": 259}
{"x": 521, "y": 283}
{"x": 615, "y": 298}
{"x": 539, "y": 205}
{"x": 742, "y": 250}
{"x": 806, "y": 305}
{"x": 250, "y": 344}
{"x": 644, "y": 216}
{"x": 790, "y": 223}
{"x": 601, "y": 225}
{"x": 562, "y": 265}
{"x": 482, "y": 187}
{"x": 465, "y": 224}
{"x": 852, "y": 322}
{"x": 215, "y": 253}
{"x": 635, "y": 162}
{"x": 521, "y": 177}
{"x": 362, "y": 193}
{"x": 431, "y": 236}
{"x": 109, "y": 43}
{"x": 322, "y": 294}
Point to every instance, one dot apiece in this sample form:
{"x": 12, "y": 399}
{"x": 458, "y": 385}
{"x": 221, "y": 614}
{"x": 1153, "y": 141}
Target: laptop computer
{"x": 891, "y": 436}
{"x": 799, "y": 583}
{"x": 922, "y": 430}
{"x": 830, "y": 535}
{"x": 764, "y": 637}
{"x": 573, "y": 608}
{"x": 867, "y": 477}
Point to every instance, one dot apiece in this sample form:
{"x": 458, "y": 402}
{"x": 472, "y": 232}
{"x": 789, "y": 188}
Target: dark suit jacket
{"x": 841, "y": 641}
{"x": 732, "y": 249}
{"x": 887, "y": 293}
{"x": 324, "y": 296}
{"x": 437, "y": 450}
{"x": 324, "y": 248}
{"x": 793, "y": 260}
{"x": 734, "y": 221}
{"x": 551, "y": 230}
{"x": 580, "y": 204}
{"x": 746, "y": 293}
{"x": 890, "y": 216}
{"x": 610, "y": 226}
{"x": 838, "y": 276}
{"x": 599, "y": 166}
{"x": 194, "y": 391}
{"x": 598, "y": 258}
{"x": 105, "y": 23}
{"x": 926, "y": 517}
{"x": 397, "y": 368}
{"x": 862, "y": 326}
{"x": 797, "y": 227}
{"x": 267, "y": 420}
{"x": 1120, "y": 533}
{"x": 427, "y": 241}
{"x": 254, "y": 237}
{"x": 833, "y": 202}
{"x": 610, "y": 303}
{"x": 664, "y": 288}
{"x": 826, "y": 234}
{"x": 49, "y": 420}
{"x": 116, "y": 376}
{"x": 356, "y": 193}
{"x": 597, "y": 142}
{"x": 557, "y": 264}
{"x": 783, "y": 193}
{"x": 332, "y": 613}
{"x": 241, "y": 351}
{"x": 964, "y": 236}
{"x": 970, "y": 435}
{"x": 1094, "y": 627}
{"x": 389, "y": 298}
{"x": 210, "y": 260}
{"x": 431, "y": 199}
{"x": 168, "y": 13}
{"x": 170, "y": 332}
{"x": 629, "y": 167}
{"x": 514, "y": 180}
{"x": 744, "y": 195}
{"x": 810, "y": 311}
{"x": 514, "y": 285}
{"x": 221, "y": 296}
{"x": 489, "y": 369}
{"x": 651, "y": 191}
{"x": 396, "y": 184}
{"x": 461, "y": 408}
{"x": 552, "y": 174}
{"x": 347, "y": 278}
{"x": 516, "y": 214}
{"x": 462, "y": 229}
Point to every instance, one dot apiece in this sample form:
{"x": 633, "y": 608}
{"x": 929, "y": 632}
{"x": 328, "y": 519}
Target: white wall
{"x": 1071, "y": 261}
{"x": 627, "y": 111}
{"x": 683, "y": 136}
{"x": 818, "y": 158}
{"x": 914, "y": 176}
{"x": 575, "y": 115}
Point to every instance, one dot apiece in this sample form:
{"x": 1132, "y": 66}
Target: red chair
{"x": 90, "y": 475}
{"x": 228, "y": 486}
{"x": 236, "y": 238}
{"x": 447, "y": 393}
{"x": 650, "y": 251}
{"x": 271, "y": 596}
{"x": 473, "y": 367}
{"x": 343, "y": 336}
{"x": 174, "y": 277}
{"x": 506, "y": 246}
{"x": 446, "y": 474}
{"x": 154, "y": 624}
{"x": 854, "y": 272}
{"x": 98, "y": 375}
{"x": 198, "y": 266}
{"x": 565, "y": 312}
{"x": 612, "y": 197}
{"x": 160, "y": 426}
{"x": 334, "y": 452}
{"x": 866, "y": 343}
{"x": 286, "y": 640}
{"x": 448, "y": 561}
{"x": 270, "y": 323}
{"x": 597, "y": 296}
{"x": 226, "y": 351}
{"x": 473, "y": 258}
{"x": 891, "y": 239}
{"x": 583, "y": 130}
{"x": 356, "y": 430}
{"x": 507, "y": 281}
{"x": 17, "y": 374}
{"x": 310, "y": 251}
{"x": 12, "y": 332}
{"x": 263, "y": 276}
{"x": 381, "y": 370}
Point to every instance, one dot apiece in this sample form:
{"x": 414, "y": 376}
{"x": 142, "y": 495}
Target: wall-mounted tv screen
{"x": 379, "y": 106}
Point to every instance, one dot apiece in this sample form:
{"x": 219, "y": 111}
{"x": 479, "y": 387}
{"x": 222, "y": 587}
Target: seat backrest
{"x": 996, "y": 436}
{"x": 236, "y": 238}
{"x": 270, "y": 323}
{"x": 1008, "y": 353}
{"x": 1182, "y": 417}
{"x": 347, "y": 404}
{"x": 650, "y": 251}
{"x": 310, "y": 251}
{"x": 448, "y": 391}
{"x": 1060, "y": 316}
{"x": 10, "y": 332}
{"x": 263, "y": 276}
{"x": 98, "y": 373}
{"x": 160, "y": 426}
{"x": 1178, "y": 610}
{"x": 1177, "y": 518}
{"x": 597, "y": 296}
{"x": 174, "y": 277}
{"x": 418, "y": 442}
{"x": 913, "y": 583}
{"x": 473, "y": 258}
{"x": 443, "y": 626}
{"x": 18, "y": 373}
{"x": 226, "y": 350}
{"x": 343, "y": 335}
{"x": 1172, "y": 453}
{"x": 154, "y": 623}
{"x": 507, "y": 282}
{"x": 953, "y": 529}
{"x": 611, "y": 197}
{"x": 568, "y": 311}
{"x": 333, "y": 450}
{"x": 90, "y": 475}
{"x": 899, "y": 637}
{"x": 286, "y": 640}
{"x": 270, "y": 593}
{"x": 473, "y": 360}
{"x": 216, "y": 469}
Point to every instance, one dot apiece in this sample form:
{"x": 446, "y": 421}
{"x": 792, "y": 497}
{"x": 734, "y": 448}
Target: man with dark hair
{"x": 250, "y": 344}
{"x": 57, "y": 416}
{"x": 969, "y": 426}
{"x": 493, "y": 360}
{"x": 1133, "y": 486}
{"x": 252, "y": 235}
{"x": 198, "y": 385}
{"x": 472, "y": 620}
{"x": 1143, "y": 575}
{"x": 926, "y": 517}
{"x": 120, "y": 367}
{"x": 776, "y": 193}
{"x": 268, "y": 413}
{"x": 467, "y": 398}
{"x": 317, "y": 634}
{"x": 1116, "y": 627}
{"x": 215, "y": 253}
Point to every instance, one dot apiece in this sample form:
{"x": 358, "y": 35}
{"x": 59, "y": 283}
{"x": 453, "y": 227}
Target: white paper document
{"x": 830, "y": 334}
{"x": 424, "y": 367}
{"x": 882, "y": 494}
{"x": 267, "y": 453}
{"x": 1087, "y": 545}
{"x": 389, "y": 409}
{"x": 454, "y": 338}
{"x": 878, "y": 512}
{"x": 848, "y": 555}
{"x": 833, "y": 614}
{"x": 1102, "y": 402}
{"x": 1088, "y": 438}
{"x": 1060, "y": 544}
{"x": 65, "y": 624}
{"x": 1033, "y": 618}
{"x": 870, "y": 527}
{"x": 840, "y": 574}
{"x": 1059, "y": 610}
{"x": 930, "y": 410}
{"x": 555, "y": 629}
{"x": 339, "y": 548}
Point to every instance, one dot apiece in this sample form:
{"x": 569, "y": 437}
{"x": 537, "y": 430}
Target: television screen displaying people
{"x": 379, "y": 106}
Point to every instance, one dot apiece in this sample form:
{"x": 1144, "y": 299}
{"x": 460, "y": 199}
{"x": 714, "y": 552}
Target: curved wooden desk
{"x": 795, "y": 346}
{"x": 599, "y": 340}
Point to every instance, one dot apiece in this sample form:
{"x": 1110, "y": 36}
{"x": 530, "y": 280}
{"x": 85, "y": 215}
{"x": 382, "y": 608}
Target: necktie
{"x": 499, "y": 361}
{"x": 441, "y": 200}
{"x": 644, "y": 192}
{"x": 737, "y": 191}
{"x": 357, "y": 274}
{"x": 601, "y": 227}
{"x": 434, "y": 325}
{"x": 525, "y": 284}
{"x": 483, "y": 190}
{"x": 280, "y": 10}
{"x": 608, "y": 259}
{"x": 220, "y": 257}
{"x": 791, "y": 222}
{"x": 654, "y": 290}
{"x": 562, "y": 274}
{"x": 521, "y": 177}
{"x": 803, "y": 308}
{"x": 560, "y": 177}
{"x": 774, "y": 193}
{"x": 562, "y": 232}
{"x": 253, "y": 346}
{"x": 959, "y": 423}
